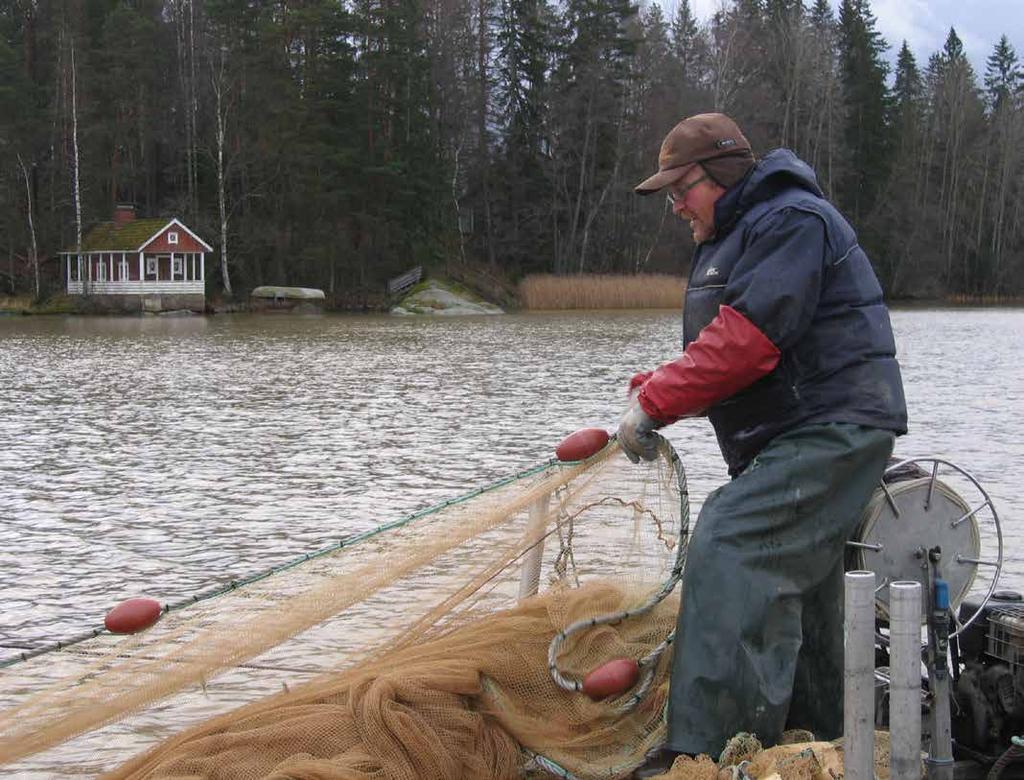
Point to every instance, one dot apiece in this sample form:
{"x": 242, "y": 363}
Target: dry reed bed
{"x": 986, "y": 300}
{"x": 602, "y": 291}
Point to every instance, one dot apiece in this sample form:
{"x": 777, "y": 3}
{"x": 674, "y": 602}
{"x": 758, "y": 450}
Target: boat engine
{"x": 989, "y": 689}
{"x": 931, "y": 521}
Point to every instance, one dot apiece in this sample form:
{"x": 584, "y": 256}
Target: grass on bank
{"x": 602, "y": 291}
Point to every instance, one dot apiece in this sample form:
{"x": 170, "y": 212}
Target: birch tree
{"x": 1004, "y": 83}
{"x": 30, "y": 212}
{"x": 222, "y": 99}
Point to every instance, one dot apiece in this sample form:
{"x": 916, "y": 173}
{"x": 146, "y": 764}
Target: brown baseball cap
{"x": 696, "y": 139}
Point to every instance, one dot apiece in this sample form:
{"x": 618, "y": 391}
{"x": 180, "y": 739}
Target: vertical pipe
{"x": 905, "y": 675}
{"x": 529, "y": 578}
{"x": 859, "y": 676}
{"x": 939, "y": 764}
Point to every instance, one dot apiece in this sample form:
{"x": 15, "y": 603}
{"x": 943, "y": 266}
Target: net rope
{"x": 409, "y": 655}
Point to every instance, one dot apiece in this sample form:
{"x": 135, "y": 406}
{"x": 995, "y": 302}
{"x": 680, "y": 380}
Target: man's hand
{"x": 636, "y": 434}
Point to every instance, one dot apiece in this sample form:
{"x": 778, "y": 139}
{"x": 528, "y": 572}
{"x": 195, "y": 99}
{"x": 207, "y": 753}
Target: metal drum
{"x": 913, "y": 512}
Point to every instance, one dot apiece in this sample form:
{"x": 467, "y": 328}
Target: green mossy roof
{"x": 106, "y": 236}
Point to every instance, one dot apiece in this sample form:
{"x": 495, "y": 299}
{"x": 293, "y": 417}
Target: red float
{"x": 582, "y": 444}
{"x": 132, "y": 616}
{"x": 612, "y": 678}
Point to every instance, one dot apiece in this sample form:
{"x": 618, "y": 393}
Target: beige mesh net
{"x": 413, "y": 653}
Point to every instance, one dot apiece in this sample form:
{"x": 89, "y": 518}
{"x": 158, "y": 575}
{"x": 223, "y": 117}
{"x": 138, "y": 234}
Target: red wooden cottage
{"x": 140, "y": 264}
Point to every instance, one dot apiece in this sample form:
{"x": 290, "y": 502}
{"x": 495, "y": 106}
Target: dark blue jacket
{"x": 787, "y": 260}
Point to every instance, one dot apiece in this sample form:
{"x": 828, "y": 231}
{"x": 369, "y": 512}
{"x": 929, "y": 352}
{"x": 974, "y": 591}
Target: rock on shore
{"x": 438, "y": 299}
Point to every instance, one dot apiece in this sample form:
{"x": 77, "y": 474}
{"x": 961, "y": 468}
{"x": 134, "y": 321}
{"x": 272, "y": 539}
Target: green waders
{"x": 759, "y": 641}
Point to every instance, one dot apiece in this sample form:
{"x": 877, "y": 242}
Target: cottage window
{"x": 177, "y": 268}
{"x": 101, "y": 271}
{"x": 150, "y": 266}
{"x": 172, "y": 238}
{"x": 124, "y": 269}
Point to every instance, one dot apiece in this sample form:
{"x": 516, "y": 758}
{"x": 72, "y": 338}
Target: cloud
{"x": 924, "y": 24}
{"x": 912, "y": 21}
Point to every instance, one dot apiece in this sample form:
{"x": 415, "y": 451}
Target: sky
{"x": 925, "y": 24}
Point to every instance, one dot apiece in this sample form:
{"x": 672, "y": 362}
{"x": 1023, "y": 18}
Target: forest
{"x": 337, "y": 143}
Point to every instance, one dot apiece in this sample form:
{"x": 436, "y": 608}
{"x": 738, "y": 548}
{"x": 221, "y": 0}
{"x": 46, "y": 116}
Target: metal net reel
{"x": 926, "y": 504}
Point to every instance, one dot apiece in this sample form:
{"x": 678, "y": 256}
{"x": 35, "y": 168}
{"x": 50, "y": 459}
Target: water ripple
{"x": 161, "y": 457}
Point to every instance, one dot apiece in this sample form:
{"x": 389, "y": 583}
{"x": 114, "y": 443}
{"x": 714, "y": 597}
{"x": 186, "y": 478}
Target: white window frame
{"x": 172, "y": 238}
{"x": 124, "y": 268}
{"x": 151, "y": 265}
{"x": 101, "y": 270}
{"x": 177, "y": 266}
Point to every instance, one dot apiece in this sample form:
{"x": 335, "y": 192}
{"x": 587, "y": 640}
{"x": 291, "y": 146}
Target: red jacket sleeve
{"x": 638, "y": 380}
{"x": 728, "y": 355}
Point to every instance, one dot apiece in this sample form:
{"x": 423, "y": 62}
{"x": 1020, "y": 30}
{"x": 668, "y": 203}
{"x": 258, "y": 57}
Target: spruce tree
{"x": 820, "y": 15}
{"x": 688, "y": 45}
{"x": 955, "y": 112}
{"x": 907, "y": 94}
{"x": 863, "y": 72}
{"x": 1004, "y": 78}
{"x": 524, "y": 51}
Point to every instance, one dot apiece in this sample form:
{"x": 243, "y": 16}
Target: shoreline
{"x": 14, "y": 306}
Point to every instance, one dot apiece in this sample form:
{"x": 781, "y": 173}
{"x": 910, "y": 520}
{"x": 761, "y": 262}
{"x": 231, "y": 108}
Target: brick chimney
{"x": 123, "y": 214}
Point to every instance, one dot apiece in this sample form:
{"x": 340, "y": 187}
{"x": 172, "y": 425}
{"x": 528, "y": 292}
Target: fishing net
{"x": 414, "y": 651}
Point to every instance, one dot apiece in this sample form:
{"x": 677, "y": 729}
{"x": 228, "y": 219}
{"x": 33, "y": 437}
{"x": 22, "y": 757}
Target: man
{"x": 789, "y": 352}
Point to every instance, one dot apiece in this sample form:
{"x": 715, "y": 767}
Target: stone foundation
{"x": 136, "y": 304}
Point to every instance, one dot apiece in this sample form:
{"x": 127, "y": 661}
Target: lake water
{"x": 160, "y": 457}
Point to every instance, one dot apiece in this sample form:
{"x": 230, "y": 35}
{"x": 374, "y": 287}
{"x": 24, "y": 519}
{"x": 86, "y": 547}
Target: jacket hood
{"x": 778, "y": 170}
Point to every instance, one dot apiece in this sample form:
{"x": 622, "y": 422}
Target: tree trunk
{"x": 218, "y": 91}
{"x": 75, "y": 163}
{"x": 34, "y": 250}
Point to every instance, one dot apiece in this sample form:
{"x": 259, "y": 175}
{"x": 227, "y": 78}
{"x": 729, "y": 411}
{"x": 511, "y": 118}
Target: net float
{"x": 132, "y": 616}
{"x": 611, "y": 678}
{"x": 582, "y": 444}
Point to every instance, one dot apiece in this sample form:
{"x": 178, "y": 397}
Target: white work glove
{"x": 636, "y": 434}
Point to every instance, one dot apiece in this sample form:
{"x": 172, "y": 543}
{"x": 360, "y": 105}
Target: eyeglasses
{"x": 674, "y": 196}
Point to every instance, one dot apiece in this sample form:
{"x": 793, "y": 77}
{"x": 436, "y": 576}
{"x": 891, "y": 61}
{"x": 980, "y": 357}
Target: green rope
{"x": 233, "y": 585}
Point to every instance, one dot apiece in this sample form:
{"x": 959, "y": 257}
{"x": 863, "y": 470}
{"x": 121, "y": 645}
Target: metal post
{"x": 939, "y": 764}
{"x": 905, "y": 679}
{"x": 859, "y": 676}
{"x": 529, "y": 578}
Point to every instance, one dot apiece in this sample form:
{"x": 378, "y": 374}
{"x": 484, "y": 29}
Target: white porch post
{"x": 78, "y": 260}
{"x": 89, "y": 266}
{"x": 142, "y": 276}
{"x": 202, "y": 266}
{"x": 67, "y": 259}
